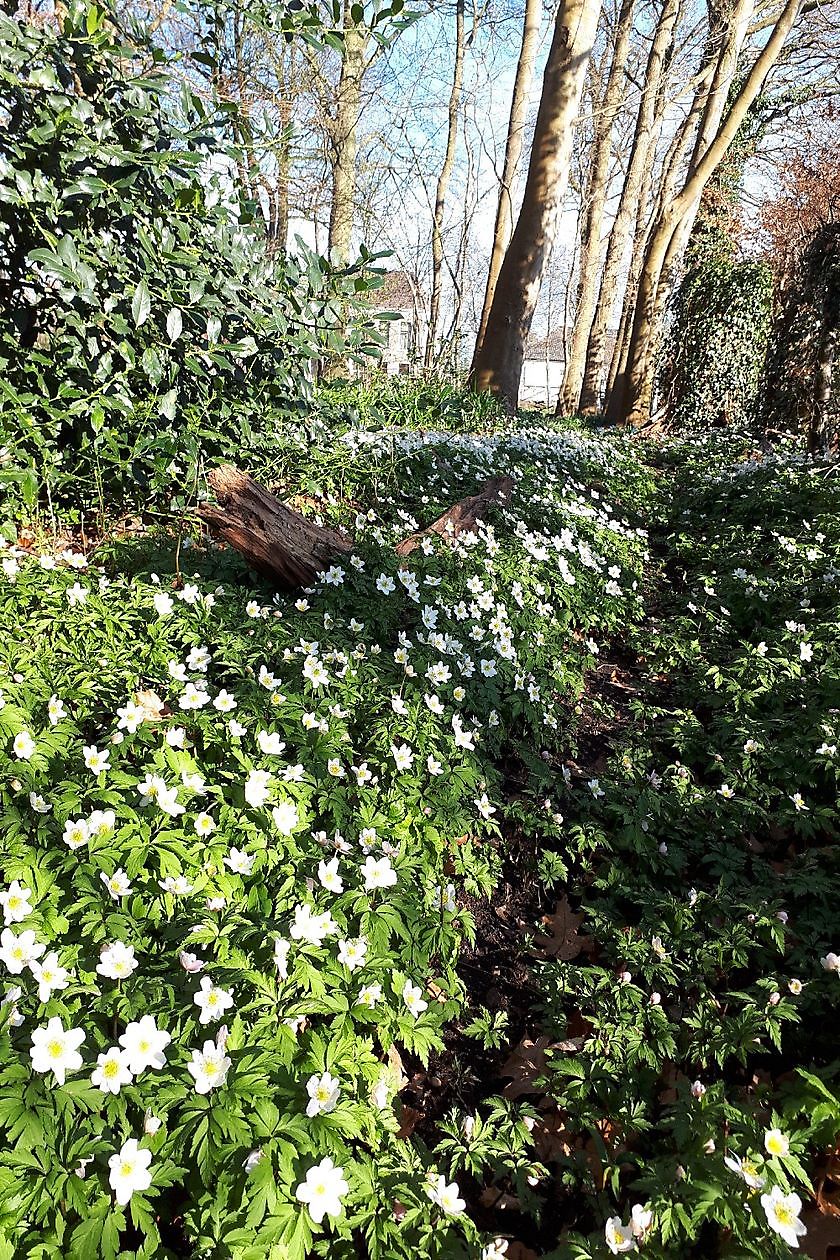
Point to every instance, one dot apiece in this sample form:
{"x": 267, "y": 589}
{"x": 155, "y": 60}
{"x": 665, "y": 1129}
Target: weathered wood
{"x": 276, "y": 541}
{"x": 462, "y": 516}
{"x": 290, "y": 550}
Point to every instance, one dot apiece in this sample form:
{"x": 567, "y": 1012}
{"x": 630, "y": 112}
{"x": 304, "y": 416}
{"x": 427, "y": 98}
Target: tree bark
{"x": 344, "y": 138}
{"x": 284, "y": 546}
{"x": 463, "y": 516}
{"x": 513, "y": 152}
{"x": 635, "y": 402}
{"x": 443, "y": 184}
{"x": 497, "y": 363}
{"x": 642, "y": 156}
{"x": 590, "y": 243}
{"x": 276, "y": 541}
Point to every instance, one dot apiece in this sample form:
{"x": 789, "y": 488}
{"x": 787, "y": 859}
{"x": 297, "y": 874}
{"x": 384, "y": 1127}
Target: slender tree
{"x": 590, "y": 236}
{"x": 497, "y": 364}
{"x": 642, "y": 154}
{"x": 513, "y": 152}
{"x": 635, "y": 385}
{"x": 444, "y": 177}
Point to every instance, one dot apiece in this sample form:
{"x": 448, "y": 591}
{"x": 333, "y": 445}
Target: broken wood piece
{"x": 276, "y": 541}
{"x": 462, "y": 516}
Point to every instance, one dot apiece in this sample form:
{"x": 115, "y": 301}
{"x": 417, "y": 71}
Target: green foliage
{"x": 716, "y": 343}
{"x": 190, "y": 769}
{"x": 144, "y": 328}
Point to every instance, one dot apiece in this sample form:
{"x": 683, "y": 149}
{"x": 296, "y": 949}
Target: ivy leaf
{"x": 141, "y": 304}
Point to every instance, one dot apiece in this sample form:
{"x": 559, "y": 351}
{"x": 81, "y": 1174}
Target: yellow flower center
{"x": 55, "y": 1049}
{"x": 110, "y": 1068}
{"x": 784, "y": 1215}
{"x": 126, "y": 1168}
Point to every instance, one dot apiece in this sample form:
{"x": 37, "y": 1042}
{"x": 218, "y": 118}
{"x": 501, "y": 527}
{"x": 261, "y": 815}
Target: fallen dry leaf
{"x": 525, "y": 1064}
{"x": 562, "y": 940}
{"x": 151, "y": 704}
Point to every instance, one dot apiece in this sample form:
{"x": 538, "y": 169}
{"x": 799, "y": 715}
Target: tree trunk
{"x": 513, "y": 152}
{"x": 443, "y": 184}
{"x": 642, "y": 156}
{"x": 497, "y": 364}
{"x": 636, "y": 392}
{"x": 590, "y": 257}
{"x": 344, "y": 138}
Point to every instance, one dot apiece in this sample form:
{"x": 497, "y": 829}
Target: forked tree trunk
{"x": 642, "y": 156}
{"x": 590, "y": 237}
{"x": 635, "y": 403}
{"x": 513, "y": 152}
{"x": 497, "y": 364}
{"x": 443, "y": 184}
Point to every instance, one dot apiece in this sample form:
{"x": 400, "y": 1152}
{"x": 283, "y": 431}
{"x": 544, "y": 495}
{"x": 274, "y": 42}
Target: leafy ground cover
{"x": 475, "y": 904}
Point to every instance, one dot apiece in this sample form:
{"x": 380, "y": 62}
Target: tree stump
{"x": 462, "y": 516}
{"x": 290, "y": 550}
{"x": 276, "y": 541}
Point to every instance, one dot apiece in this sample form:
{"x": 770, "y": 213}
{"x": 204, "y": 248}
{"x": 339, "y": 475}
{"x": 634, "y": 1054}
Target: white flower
{"x": 412, "y": 995}
{"x": 378, "y": 873}
{"x": 323, "y": 1094}
{"x": 56, "y": 1049}
{"x": 38, "y": 803}
{"x": 270, "y": 743}
{"x": 118, "y": 884}
{"x": 484, "y": 807}
{"x": 208, "y": 1067}
{"x": 799, "y": 803}
{"x": 251, "y": 1160}
{"x": 145, "y": 1045}
{"x": 831, "y": 962}
{"x": 775, "y": 1142}
{"x": 369, "y": 995}
{"x": 193, "y": 697}
{"x": 329, "y": 877}
{"x": 281, "y": 957}
{"x": 641, "y": 1219}
{"x": 315, "y": 673}
{"x": 806, "y": 653}
{"x": 117, "y": 961}
{"x": 77, "y": 594}
{"x": 129, "y": 1171}
{"x": 353, "y": 953}
{"x": 698, "y": 1089}
{"x": 15, "y": 902}
{"x": 239, "y": 862}
{"x": 726, "y": 791}
{"x": 323, "y": 1190}
{"x": 311, "y": 927}
{"x": 163, "y": 604}
{"x": 619, "y": 1238}
{"x": 224, "y": 702}
{"x": 17, "y": 952}
{"x": 256, "y": 788}
{"x": 446, "y": 1197}
{"x": 496, "y": 1250}
{"x": 285, "y": 817}
{"x": 211, "y": 1001}
{"x": 385, "y": 585}
{"x": 782, "y": 1212}
{"x": 403, "y": 756}
{"x": 96, "y": 761}
{"x": 49, "y": 975}
{"x": 204, "y": 824}
{"x": 76, "y": 833}
{"x": 433, "y": 765}
{"x": 151, "y": 1123}
{"x": 55, "y": 710}
{"x": 23, "y": 746}
{"x": 101, "y": 823}
{"x": 111, "y": 1071}
{"x": 746, "y": 1169}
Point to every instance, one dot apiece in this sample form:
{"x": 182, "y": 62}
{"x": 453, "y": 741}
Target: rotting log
{"x": 462, "y": 516}
{"x": 275, "y": 540}
{"x": 291, "y": 550}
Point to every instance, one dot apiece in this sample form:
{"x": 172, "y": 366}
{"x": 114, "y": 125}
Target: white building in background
{"x": 403, "y": 354}
{"x": 542, "y": 369}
